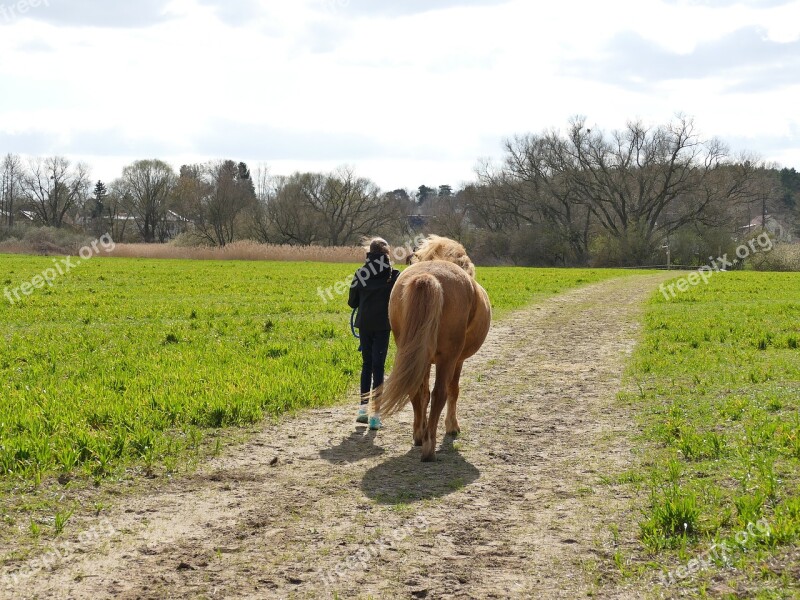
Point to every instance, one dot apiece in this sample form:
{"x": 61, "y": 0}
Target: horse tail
{"x": 423, "y": 301}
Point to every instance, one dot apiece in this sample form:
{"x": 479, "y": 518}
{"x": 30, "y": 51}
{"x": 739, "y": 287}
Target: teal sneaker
{"x": 362, "y": 415}
{"x": 375, "y": 422}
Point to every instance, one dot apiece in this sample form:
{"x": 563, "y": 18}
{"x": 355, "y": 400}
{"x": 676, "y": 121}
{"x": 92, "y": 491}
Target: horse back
{"x": 466, "y": 313}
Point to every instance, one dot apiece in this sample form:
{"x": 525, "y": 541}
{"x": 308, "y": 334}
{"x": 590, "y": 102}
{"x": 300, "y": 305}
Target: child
{"x": 369, "y": 293}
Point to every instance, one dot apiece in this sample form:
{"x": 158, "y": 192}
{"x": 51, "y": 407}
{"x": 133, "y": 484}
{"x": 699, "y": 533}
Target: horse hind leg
{"x": 451, "y": 421}
{"x": 420, "y": 404}
{"x": 444, "y": 373}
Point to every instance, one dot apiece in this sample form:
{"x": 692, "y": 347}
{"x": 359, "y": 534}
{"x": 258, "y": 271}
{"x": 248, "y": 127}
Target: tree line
{"x": 573, "y": 197}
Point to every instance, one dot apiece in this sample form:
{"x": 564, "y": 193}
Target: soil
{"x": 318, "y": 506}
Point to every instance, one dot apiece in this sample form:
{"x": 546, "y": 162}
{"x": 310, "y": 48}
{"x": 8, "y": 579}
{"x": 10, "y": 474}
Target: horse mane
{"x": 435, "y": 247}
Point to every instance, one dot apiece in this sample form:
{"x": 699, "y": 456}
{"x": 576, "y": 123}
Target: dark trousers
{"x": 374, "y": 346}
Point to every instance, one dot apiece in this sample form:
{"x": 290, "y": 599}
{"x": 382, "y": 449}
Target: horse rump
{"x": 421, "y": 300}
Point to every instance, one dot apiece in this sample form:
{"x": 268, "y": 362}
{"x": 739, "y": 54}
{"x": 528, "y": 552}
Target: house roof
{"x": 759, "y": 222}
{"x": 176, "y": 217}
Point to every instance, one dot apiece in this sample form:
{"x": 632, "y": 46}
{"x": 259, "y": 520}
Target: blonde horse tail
{"x": 423, "y": 301}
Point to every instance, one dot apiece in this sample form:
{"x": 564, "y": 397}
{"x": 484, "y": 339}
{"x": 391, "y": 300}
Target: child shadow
{"x": 355, "y": 447}
{"x": 404, "y": 479}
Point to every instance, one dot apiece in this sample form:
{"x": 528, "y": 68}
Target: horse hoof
{"x": 431, "y": 458}
{"x": 418, "y": 443}
{"x": 455, "y": 433}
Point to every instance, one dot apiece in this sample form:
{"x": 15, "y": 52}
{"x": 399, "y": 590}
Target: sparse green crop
{"x": 718, "y": 390}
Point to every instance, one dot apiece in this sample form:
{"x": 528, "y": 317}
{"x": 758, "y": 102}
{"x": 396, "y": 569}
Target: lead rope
{"x": 353, "y": 327}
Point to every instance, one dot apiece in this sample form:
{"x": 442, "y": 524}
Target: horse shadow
{"x": 355, "y": 447}
{"x": 404, "y": 479}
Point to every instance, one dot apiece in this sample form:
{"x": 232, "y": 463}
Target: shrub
{"x": 26, "y": 239}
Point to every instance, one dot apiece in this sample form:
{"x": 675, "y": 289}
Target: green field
{"x": 716, "y": 382}
{"x": 132, "y": 362}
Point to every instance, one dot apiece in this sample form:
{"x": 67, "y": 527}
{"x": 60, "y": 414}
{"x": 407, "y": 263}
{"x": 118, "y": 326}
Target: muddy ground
{"x": 317, "y": 506}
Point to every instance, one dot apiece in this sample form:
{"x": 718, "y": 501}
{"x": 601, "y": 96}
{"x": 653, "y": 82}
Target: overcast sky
{"x": 407, "y": 92}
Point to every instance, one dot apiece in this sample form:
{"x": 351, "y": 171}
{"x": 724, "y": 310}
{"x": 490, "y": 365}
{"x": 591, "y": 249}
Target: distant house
{"x": 419, "y": 222}
{"x": 123, "y": 218}
{"x": 777, "y": 230}
{"x": 176, "y": 224}
{"x": 26, "y": 216}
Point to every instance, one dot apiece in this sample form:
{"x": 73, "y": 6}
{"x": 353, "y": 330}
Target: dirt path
{"x": 511, "y": 509}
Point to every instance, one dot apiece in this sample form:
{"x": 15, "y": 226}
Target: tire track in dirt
{"x": 511, "y": 509}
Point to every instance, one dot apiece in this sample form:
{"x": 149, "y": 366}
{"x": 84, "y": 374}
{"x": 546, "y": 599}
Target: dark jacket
{"x": 369, "y": 293}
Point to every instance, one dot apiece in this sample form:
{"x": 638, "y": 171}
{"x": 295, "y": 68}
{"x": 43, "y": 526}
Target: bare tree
{"x": 531, "y": 189}
{"x": 53, "y": 188}
{"x": 214, "y": 196}
{"x": 764, "y": 200}
{"x": 488, "y": 202}
{"x": 228, "y": 193}
{"x": 637, "y": 185}
{"x": 449, "y": 212}
{"x": 644, "y": 183}
{"x": 145, "y": 188}
{"x": 330, "y": 209}
{"x": 264, "y": 183}
{"x": 258, "y": 218}
{"x": 288, "y": 218}
{"x": 10, "y": 184}
{"x": 348, "y": 206}
{"x": 114, "y": 218}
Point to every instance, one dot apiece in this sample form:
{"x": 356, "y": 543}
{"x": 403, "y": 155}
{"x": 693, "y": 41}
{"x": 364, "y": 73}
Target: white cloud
{"x": 406, "y": 96}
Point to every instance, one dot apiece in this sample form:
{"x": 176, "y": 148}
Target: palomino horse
{"x": 439, "y": 315}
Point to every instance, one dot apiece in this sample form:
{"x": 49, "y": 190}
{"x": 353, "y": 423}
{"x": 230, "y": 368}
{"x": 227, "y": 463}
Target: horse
{"x": 439, "y": 315}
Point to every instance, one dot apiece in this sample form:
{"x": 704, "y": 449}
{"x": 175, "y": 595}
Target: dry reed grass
{"x": 245, "y": 250}
{"x": 15, "y": 246}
